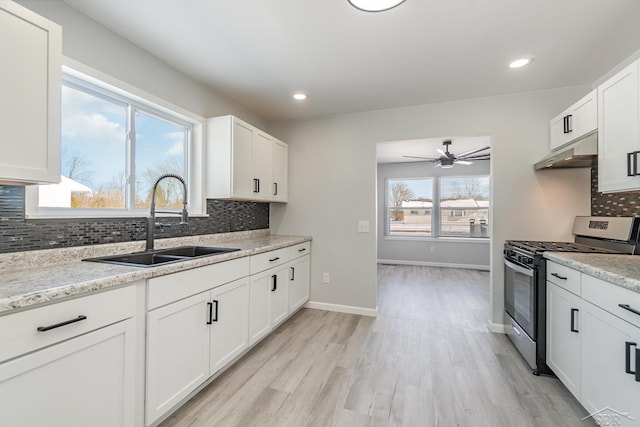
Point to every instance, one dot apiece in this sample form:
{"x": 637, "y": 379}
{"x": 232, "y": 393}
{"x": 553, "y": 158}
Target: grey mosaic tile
{"x": 613, "y": 204}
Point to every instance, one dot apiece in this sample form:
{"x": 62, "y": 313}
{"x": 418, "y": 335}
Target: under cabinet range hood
{"x": 580, "y": 154}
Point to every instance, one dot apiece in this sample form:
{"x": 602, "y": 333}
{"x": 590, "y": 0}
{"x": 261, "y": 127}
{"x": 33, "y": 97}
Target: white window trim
{"x": 436, "y": 219}
{"x": 195, "y": 159}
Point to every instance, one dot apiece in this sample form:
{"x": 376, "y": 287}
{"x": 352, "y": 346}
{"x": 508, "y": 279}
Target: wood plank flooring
{"x": 428, "y": 359}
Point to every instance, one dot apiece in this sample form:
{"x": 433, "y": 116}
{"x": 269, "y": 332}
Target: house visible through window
{"x": 113, "y": 150}
{"x": 441, "y": 206}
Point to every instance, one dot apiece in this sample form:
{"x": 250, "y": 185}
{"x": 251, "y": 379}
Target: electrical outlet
{"x": 363, "y": 226}
{"x": 326, "y": 278}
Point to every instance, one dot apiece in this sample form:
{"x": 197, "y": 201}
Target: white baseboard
{"x": 496, "y": 328}
{"x": 350, "y": 309}
{"x": 435, "y": 264}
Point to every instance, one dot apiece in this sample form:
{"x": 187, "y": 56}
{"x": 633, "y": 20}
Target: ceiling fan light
{"x": 375, "y": 5}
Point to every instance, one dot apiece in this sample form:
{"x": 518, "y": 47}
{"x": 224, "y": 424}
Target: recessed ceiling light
{"x": 375, "y": 5}
{"x": 299, "y": 96}
{"x": 521, "y": 62}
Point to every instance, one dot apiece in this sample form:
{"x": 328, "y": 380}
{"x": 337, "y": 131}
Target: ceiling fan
{"x": 448, "y": 159}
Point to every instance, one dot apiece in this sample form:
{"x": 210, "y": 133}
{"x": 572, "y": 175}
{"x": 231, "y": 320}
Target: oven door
{"x": 520, "y": 290}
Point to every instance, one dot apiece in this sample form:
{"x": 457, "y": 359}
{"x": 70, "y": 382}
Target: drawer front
{"x": 608, "y": 297}
{"x": 268, "y": 260}
{"x": 173, "y": 287}
{"x": 565, "y": 277}
{"x": 101, "y": 309}
{"x": 299, "y": 250}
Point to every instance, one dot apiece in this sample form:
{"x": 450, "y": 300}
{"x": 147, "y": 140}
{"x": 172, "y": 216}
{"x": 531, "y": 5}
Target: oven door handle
{"x": 525, "y": 271}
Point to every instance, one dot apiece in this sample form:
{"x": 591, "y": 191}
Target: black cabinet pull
{"x": 629, "y": 173}
{"x": 635, "y": 163}
{"x": 628, "y": 308}
{"x": 65, "y": 323}
{"x": 558, "y": 276}
{"x": 573, "y": 320}
{"x": 275, "y": 188}
{"x": 569, "y": 124}
{"x": 274, "y": 259}
{"x": 565, "y": 125}
{"x": 210, "y": 319}
{"x": 256, "y": 185}
{"x": 302, "y": 250}
{"x": 293, "y": 273}
{"x": 274, "y": 285}
{"x": 627, "y": 358}
{"x": 215, "y": 319}
{"x": 638, "y": 365}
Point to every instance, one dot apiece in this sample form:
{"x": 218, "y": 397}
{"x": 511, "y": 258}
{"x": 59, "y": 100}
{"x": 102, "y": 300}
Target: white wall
{"x": 332, "y": 164}
{"x": 93, "y": 45}
{"x": 447, "y": 252}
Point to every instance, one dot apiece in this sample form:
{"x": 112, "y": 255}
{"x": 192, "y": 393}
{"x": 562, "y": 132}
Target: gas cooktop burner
{"x": 538, "y": 247}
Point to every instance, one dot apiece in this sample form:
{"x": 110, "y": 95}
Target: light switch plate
{"x": 363, "y": 226}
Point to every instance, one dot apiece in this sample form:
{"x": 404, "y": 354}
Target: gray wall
{"x": 418, "y": 251}
{"x": 332, "y": 169}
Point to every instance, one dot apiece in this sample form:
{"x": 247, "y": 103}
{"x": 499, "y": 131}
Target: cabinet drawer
{"x": 173, "y": 287}
{"x": 102, "y": 309}
{"x": 564, "y": 277}
{"x": 270, "y": 259}
{"x": 299, "y": 250}
{"x": 608, "y": 297}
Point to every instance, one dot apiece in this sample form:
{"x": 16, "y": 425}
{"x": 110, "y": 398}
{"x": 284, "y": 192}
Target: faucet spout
{"x": 151, "y": 219}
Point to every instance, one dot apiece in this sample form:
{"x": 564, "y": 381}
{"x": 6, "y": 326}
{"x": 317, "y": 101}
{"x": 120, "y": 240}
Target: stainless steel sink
{"x": 162, "y": 256}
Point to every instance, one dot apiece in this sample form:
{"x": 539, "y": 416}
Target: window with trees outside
{"x": 113, "y": 150}
{"x": 438, "y": 207}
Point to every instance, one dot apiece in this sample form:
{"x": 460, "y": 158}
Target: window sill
{"x": 482, "y": 240}
{"x": 107, "y": 215}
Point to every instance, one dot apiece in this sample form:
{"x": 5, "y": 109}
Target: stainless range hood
{"x": 580, "y": 154}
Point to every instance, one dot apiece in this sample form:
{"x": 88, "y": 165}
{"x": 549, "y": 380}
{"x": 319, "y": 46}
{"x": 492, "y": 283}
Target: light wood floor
{"x": 427, "y": 360}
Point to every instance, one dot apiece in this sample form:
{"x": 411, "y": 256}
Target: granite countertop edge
{"x": 620, "y": 270}
{"x": 27, "y": 286}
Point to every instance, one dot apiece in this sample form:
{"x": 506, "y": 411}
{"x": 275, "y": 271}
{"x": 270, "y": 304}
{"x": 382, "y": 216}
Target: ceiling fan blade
{"x": 423, "y": 158}
{"x": 478, "y": 157}
{"x": 477, "y": 150}
{"x": 442, "y": 153}
{"x": 463, "y": 162}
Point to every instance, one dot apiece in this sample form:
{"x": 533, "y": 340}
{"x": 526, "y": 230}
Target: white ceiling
{"x": 393, "y": 151}
{"x": 258, "y": 52}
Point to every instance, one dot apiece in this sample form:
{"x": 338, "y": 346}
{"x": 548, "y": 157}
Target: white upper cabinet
{"x": 575, "y": 122}
{"x": 619, "y": 131}
{"x": 244, "y": 162}
{"x": 30, "y": 81}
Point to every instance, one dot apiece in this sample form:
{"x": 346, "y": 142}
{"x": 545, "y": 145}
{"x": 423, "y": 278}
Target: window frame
{"x": 436, "y": 210}
{"x": 86, "y": 79}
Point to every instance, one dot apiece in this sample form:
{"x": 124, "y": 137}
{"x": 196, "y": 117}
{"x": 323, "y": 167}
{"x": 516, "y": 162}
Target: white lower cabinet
{"x": 177, "y": 352}
{"x": 190, "y": 340}
{"x": 563, "y": 336}
{"x": 279, "y": 295}
{"x": 610, "y": 350}
{"x": 299, "y": 282}
{"x": 70, "y": 363}
{"x": 269, "y": 301}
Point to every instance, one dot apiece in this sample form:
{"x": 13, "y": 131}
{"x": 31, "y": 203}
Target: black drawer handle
{"x": 275, "y": 188}
{"x": 573, "y": 320}
{"x": 558, "y": 276}
{"x": 274, "y": 286}
{"x": 65, "y": 323}
{"x": 627, "y": 358}
{"x": 302, "y": 250}
{"x": 210, "y": 319}
{"x": 293, "y": 273}
{"x": 274, "y": 259}
{"x": 215, "y": 319}
{"x": 628, "y": 308}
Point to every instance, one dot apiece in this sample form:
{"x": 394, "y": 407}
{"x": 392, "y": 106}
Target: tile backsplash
{"x": 613, "y": 204}
{"x": 20, "y": 234}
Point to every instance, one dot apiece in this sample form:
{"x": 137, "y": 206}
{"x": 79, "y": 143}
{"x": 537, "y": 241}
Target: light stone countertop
{"x": 621, "y": 270}
{"x": 38, "y": 277}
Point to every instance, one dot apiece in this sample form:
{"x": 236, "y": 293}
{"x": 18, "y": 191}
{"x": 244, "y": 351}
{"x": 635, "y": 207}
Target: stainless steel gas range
{"x": 525, "y": 278}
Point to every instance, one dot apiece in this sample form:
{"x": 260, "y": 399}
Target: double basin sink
{"x": 162, "y": 256}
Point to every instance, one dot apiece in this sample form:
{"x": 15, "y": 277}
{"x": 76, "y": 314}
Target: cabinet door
{"x": 177, "y": 352}
{"x": 279, "y": 298}
{"x": 605, "y": 384}
{"x": 243, "y": 184}
{"x": 30, "y": 78}
{"x": 584, "y": 117}
{"x": 558, "y": 131}
{"x": 263, "y": 165}
{"x": 618, "y": 129}
{"x": 280, "y": 171}
{"x": 259, "y": 306}
{"x": 86, "y": 381}
{"x": 230, "y": 323}
{"x": 299, "y": 282}
{"x": 563, "y": 336}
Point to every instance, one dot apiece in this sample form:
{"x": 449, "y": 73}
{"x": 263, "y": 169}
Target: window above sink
{"x": 116, "y": 140}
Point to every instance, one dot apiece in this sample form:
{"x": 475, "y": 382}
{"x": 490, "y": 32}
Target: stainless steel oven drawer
{"x": 525, "y": 345}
